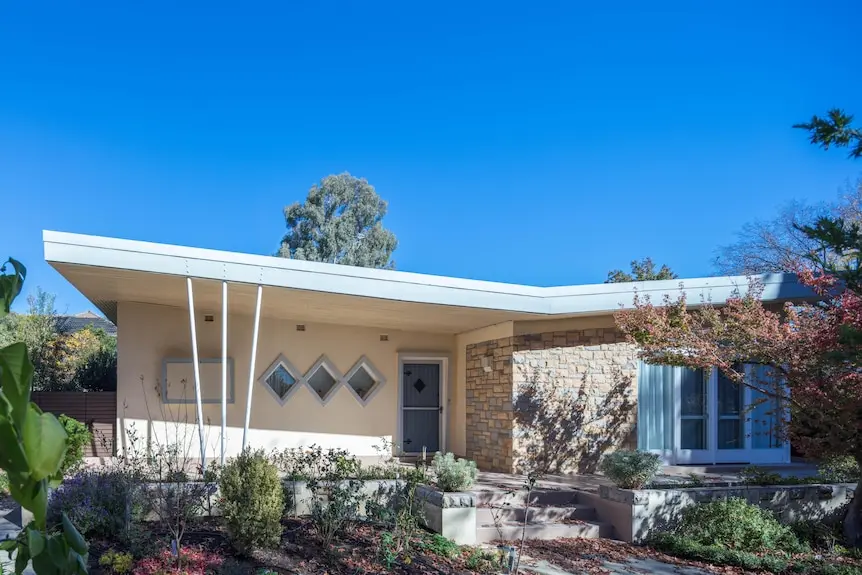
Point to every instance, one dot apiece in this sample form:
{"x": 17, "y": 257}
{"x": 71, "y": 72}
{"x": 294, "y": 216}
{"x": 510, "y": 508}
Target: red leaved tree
{"x": 811, "y": 352}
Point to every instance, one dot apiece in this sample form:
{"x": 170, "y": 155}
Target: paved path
{"x": 9, "y": 529}
{"x": 635, "y": 565}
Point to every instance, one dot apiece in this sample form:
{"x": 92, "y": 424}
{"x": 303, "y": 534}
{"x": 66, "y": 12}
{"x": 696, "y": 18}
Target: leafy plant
{"x": 840, "y": 469}
{"x": 100, "y": 502}
{"x": 736, "y": 524}
{"x": 117, "y": 562}
{"x": 251, "y": 501}
{"x": 683, "y": 547}
{"x": 335, "y": 493}
{"x": 4, "y": 484}
{"x": 79, "y": 436}
{"x": 755, "y": 475}
{"x": 191, "y": 561}
{"x": 453, "y": 474}
{"x": 630, "y": 469}
{"x": 439, "y": 545}
{"x": 32, "y": 448}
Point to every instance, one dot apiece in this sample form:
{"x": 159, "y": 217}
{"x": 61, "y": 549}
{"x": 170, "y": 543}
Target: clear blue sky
{"x": 530, "y": 142}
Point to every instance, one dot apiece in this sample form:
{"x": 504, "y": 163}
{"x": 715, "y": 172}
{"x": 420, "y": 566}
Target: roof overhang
{"x": 110, "y": 270}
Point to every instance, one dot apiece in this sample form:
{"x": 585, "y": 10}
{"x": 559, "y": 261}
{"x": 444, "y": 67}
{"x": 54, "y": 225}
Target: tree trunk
{"x": 853, "y": 518}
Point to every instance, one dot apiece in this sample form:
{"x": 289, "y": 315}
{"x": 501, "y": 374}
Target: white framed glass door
{"x": 692, "y": 406}
{"x": 703, "y": 417}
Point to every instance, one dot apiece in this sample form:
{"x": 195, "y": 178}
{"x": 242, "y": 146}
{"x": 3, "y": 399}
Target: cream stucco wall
{"x": 150, "y": 333}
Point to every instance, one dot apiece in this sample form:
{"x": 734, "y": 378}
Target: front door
{"x": 420, "y": 408}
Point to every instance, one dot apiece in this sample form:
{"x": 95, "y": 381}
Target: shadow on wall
{"x": 561, "y": 429}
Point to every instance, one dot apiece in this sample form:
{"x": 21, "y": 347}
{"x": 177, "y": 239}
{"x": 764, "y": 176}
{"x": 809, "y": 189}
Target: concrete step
{"x": 551, "y": 514}
{"x": 512, "y": 531}
{"x": 538, "y": 498}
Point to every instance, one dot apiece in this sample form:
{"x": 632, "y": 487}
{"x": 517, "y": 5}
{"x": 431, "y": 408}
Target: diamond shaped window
{"x": 323, "y": 379}
{"x": 364, "y": 380}
{"x": 281, "y": 379}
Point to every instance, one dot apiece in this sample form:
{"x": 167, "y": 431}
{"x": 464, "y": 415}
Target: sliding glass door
{"x": 698, "y": 416}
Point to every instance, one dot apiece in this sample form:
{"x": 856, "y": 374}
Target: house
{"x": 241, "y": 349}
{"x": 87, "y": 319}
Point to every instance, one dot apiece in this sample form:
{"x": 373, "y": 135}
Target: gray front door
{"x": 420, "y": 392}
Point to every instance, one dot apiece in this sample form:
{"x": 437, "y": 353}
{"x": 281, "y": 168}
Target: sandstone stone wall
{"x": 489, "y": 404}
{"x": 565, "y": 397}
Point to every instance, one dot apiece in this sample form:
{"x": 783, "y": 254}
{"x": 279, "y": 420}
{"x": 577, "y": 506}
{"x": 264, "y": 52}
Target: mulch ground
{"x": 301, "y": 552}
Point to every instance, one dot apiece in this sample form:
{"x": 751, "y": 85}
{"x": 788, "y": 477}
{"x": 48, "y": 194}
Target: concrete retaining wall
{"x": 635, "y": 513}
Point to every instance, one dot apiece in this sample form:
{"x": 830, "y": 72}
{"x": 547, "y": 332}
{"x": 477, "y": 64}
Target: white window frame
{"x": 294, "y": 373}
{"x": 375, "y": 374}
{"x": 326, "y": 364}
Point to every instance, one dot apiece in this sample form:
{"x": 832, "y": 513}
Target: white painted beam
{"x": 197, "y": 371}
{"x": 251, "y": 367}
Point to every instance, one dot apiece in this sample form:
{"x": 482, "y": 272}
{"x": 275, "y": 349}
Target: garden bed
{"x": 300, "y": 552}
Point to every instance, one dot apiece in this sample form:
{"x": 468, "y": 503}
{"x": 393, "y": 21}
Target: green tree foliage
{"x": 62, "y": 361}
{"x": 641, "y": 271}
{"x": 834, "y": 129}
{"x": 32, "y": 449}
{"x": 41, "y": 330}
{"x": 341, "y": 222}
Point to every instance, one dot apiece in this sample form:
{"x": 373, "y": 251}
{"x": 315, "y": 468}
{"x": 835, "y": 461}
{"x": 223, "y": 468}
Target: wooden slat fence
{"x": 98, "y": 410}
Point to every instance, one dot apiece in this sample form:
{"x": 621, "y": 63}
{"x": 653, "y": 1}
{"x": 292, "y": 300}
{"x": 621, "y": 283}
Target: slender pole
{"x": 251, "y": 367}
{"x": 223, "y": 367}
{"x": 197, "y": 371}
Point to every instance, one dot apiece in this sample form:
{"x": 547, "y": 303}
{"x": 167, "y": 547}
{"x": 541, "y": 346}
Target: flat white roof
{"x": 66, "y": 249}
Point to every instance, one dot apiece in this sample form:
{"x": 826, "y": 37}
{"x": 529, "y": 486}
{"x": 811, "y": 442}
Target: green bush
{"x": 630, "y": 469}
{"x": 454, "y": 474}
{"x": 251, "y": 501}
{"x": 736, "y": 524}
{"x": 4, "y": 484}
{"x": 680, "y": 546}
{"x": 116, "y": 562}
{"x": 842, "y": 469}
{"x": 79, "y": 437}
{"x": 754, "y": 475}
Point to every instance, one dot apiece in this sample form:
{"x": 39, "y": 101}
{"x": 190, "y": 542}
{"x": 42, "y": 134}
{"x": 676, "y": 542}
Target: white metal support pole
{"x": 197, "y": 371}
{"x": 251, "y": 367}
{"x": 223, "y": 367}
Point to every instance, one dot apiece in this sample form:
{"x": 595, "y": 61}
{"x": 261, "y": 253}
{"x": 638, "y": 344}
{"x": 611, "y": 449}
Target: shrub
{"x": 736, "y": 524}
{"x": 192, "y": 561}
{"x": 252, "y": 501}
{"x": 335, "y": 493}
{"x": 79, "y": 437}
{"x": 454, "y": 474}
{"x": 630, "y": 469}
{"x": 684, "y": 547}
{"x": 754, "y": 475}
{"x": 116, "y": 561}
{"x": 4, "y": 484}
{"x": 841, "y": 469}
{"x": 99, "y": 502}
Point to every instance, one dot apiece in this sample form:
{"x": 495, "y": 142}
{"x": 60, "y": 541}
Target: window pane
{"x": 693, "y": 434}
{"x": 765, "y": 411}
{"x": 730, "y": 434}
{"x": 693, "y": 396}
{"x": 729, "y": 396}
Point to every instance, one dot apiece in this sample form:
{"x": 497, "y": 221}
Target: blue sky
{"x": 540, "y": 143}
